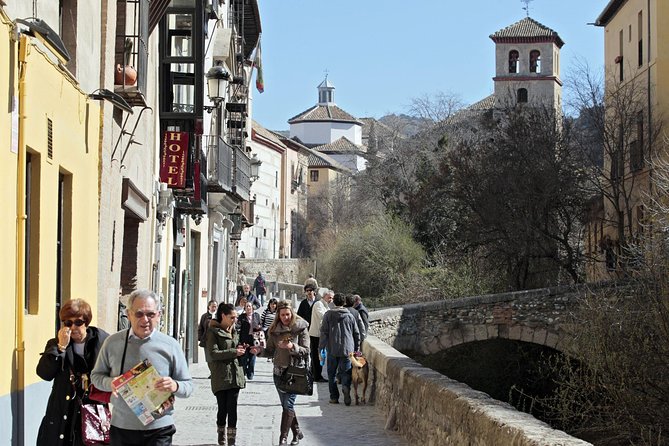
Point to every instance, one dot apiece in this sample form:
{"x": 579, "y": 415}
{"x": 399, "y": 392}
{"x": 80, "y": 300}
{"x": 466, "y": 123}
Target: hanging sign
{"x": 173, "y": 159}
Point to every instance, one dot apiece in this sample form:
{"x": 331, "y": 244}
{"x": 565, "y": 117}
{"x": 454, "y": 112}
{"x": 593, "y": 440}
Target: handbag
{"x": 97, "y": 395}
{"x": 95, "y": 424}
{"x": 297, "y": 378}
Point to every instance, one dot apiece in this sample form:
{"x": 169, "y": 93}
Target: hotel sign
{"x": 173, "y": 159}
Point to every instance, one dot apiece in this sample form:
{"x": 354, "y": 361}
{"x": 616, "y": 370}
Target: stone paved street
{"x": 260, "y": 415}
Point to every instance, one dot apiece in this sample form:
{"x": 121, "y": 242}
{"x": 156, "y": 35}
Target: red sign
{"x": 173, "y": 159}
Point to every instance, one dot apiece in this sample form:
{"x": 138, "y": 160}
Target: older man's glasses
{"x": 141, "y": 314}
{"x": 78, "y": 322}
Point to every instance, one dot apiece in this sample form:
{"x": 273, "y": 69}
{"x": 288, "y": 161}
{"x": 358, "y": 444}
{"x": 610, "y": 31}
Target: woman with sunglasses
{"x": 67, "y": 361}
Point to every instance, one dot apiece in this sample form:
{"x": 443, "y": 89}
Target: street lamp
{"x": 255, "y": 167}
{"x": 217, "y": 79}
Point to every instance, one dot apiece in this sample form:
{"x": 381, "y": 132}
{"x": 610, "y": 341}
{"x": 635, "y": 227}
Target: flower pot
{"x": 125, "y": 75}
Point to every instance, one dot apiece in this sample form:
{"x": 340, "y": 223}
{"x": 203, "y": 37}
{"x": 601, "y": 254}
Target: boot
{"x": 232, "y": 436}
{"x": 287, "y": 417}
{"x": 297, "y": 433}
{"x": 221, "y": 434}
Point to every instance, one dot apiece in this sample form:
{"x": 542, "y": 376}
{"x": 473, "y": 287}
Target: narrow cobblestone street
{"x": 260, "y": 415}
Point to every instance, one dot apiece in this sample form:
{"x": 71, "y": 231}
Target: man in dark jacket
{"x": 364, "y": 312}
{"x": 306, "y": 306}
{"x": 340, "y": 336}
{"x": 356, "y": 315}
{"x": 204, "y": 322}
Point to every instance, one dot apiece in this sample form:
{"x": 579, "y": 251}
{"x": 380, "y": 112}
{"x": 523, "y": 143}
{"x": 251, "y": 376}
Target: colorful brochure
{"x": 136, "y": 387}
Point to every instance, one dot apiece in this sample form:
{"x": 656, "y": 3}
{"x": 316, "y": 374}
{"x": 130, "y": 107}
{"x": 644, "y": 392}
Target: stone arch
{"x": 458, "y": 334}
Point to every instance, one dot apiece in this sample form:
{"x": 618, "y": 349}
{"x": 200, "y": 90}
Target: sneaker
{"x": 347, "y": 395}
{"x": 334, "y": 401}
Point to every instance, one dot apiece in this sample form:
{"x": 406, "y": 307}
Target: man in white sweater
{"x": 124, "y": 350}
{"x": 317, "y": 312}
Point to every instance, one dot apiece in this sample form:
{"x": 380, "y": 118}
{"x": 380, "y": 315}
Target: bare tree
{"x": 617, "y": 120}
{"x": 519, "y": 191}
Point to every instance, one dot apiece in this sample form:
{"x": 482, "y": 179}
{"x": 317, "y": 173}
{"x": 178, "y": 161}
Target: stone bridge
{"x": 535, "y": 316}
{"x": 431, "y": 409}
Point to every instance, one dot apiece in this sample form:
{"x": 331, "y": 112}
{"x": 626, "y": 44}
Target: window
{"x": 67, "y": 29}
{"x": 640, "y": 36}
{"x": 131, "y": 48}
{"x": 619, "y": 59}
{"x": 521, "y": 95}
{"x": 313, "y": 175}
{"x": 636, "y": 147}
{"x": 63, "y": 242}
{"x": 535, "y": 61}
{"x": 513, "y": 61}
{"x": 31, "y": 240}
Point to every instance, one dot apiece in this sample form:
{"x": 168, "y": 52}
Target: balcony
{"x": 242, "y": 174}
{"x": 193, "y": 198}
{"x": 219, "y": 160}
{"x": 248, "y": 213}
{"x": 131, "y": 51}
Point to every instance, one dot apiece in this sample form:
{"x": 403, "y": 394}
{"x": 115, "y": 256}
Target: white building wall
{"x": 261, "y": 241}
{"x": 325, "y": 132}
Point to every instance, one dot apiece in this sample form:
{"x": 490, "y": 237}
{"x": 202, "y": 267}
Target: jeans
{"x": 248, "y": 361}
{"x": 287, "y": 399}
{"x": 151, "y": 437}
{"x": 338, "y": 366}
{"x": 227, "y": 407}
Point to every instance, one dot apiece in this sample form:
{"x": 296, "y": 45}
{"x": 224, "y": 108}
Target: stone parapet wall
{"x": 431, "y": 409}
{"x": 280, "y": 270}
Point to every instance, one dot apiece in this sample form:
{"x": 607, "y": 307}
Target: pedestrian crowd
{"x": 89, "y": 367}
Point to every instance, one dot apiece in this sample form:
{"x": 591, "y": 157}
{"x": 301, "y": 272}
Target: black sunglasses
{"x": 141, "y": 314}
{"x": 79, "y": 322}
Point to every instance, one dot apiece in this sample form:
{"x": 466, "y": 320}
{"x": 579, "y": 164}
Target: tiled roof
{"x": 527, "y": 29}
{"x": 473, "y": 111}
{"x": 262, "y": 131}
{"x": 317, "y": 160}
{"x": 342, "y": 145}
{"x": 324, "y": 113}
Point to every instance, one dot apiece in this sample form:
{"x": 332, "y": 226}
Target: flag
{"x": 260, "y": 82}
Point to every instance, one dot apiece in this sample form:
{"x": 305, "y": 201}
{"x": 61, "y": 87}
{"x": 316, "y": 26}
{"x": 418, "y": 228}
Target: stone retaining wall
{"x": 280, "y": 270}
{"x": 430, "y": 409}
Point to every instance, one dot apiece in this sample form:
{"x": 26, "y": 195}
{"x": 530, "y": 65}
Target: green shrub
{"x": 370, "y": 259}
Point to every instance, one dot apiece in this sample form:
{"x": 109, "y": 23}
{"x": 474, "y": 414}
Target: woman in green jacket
{"x": 227, "y": 376}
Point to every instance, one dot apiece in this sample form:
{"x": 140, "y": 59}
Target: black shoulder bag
{"x": 297, "y": 378}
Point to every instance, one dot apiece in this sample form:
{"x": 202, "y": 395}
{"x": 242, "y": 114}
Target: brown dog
{"x": 359, "y": 373}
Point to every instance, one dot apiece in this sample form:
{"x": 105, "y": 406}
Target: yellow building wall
{"x": 49, "y": 94}
{"x": 8, "y": 161}
{"x": 656, "y": 70}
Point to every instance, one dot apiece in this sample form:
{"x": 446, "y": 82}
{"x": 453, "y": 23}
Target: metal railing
{"x": 220, "y": 161}
{"x": 242, "y": 177}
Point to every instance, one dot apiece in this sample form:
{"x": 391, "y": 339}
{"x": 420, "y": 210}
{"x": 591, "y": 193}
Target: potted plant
{"x": 126, "y": 74}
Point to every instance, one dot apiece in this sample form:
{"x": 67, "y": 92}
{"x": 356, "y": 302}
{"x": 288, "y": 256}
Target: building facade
{"x": 636, "y": 98}
{"x": 122, "y": 169}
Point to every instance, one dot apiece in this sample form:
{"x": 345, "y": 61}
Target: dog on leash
{"x": 360, "y": 374}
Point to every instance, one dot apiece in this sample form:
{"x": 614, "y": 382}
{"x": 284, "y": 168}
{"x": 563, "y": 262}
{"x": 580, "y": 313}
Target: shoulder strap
{"x": 125, "y": 348}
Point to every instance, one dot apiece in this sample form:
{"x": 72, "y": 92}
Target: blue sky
{"x": 380, "y": 54}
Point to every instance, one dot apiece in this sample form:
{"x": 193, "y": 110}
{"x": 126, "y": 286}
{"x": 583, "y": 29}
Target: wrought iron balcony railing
{"x": 219, "y": 159}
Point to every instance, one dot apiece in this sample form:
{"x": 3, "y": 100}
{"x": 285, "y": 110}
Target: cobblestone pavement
{"x": 259, "y": 416}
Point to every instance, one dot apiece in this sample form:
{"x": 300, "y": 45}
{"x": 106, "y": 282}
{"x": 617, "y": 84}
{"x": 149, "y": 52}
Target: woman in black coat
{"x": 248, "y": 323}
{"x": 67, "y": 361}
